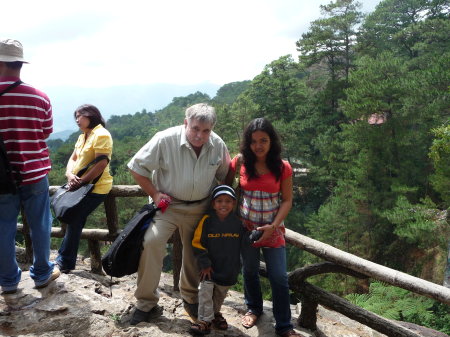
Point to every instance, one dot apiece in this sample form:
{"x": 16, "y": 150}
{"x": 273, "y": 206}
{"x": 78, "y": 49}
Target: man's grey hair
{"x": 202, "y": 112}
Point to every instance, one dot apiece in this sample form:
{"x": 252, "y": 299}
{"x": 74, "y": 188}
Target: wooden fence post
{"x": 308, "y": 314}
{"x": 96, "y": 256}
{"x": 112, "y": 218}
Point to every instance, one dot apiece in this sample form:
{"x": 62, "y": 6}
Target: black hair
{"x": 93, "y": 113}
{"x": 16, "y": 65}
{"x": 273, "y": 160}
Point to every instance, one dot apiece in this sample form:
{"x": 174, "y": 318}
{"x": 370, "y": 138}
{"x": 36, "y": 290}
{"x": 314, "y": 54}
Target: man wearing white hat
{"x": 25, "y": 123}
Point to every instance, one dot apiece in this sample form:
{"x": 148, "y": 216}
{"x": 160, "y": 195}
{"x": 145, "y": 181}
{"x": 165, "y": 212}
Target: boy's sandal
{"x": 200, "y": 328}
{"x": 249, "y": 320}
{"x": 219, "y": 321}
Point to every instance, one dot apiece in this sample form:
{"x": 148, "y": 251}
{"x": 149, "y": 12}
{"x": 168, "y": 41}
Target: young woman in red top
{"x": 266, "y": 197}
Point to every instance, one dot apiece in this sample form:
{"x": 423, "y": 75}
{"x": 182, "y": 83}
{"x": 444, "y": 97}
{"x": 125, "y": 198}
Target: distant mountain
{"x": 117, "y": 100}
{"x": 63, "y": 135}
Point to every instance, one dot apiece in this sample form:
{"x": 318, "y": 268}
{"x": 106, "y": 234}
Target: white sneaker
{"x": 55, "y": 274}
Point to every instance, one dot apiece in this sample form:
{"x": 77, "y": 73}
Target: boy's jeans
{"x": 36, "y": 203}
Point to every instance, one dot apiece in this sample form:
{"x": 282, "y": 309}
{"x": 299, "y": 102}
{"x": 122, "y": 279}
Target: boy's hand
{"x": 205, "y": 274}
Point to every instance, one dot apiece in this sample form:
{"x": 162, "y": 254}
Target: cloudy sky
{"x": 101, "y": 44}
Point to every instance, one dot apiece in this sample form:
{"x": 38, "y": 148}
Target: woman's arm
{"x": 286, "y": 201}
{"x": 229, "y": 179}
{"x": 72, "y": 179}
{"x": 230, "y": 176}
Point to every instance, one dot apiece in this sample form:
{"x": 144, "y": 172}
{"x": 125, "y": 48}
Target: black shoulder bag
{"x": 64, "y": 202}
{"x": 8, "y": 181}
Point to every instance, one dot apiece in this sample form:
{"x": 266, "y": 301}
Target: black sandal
{"x": 200, "y": 328}
{"x": 219, "y": 321}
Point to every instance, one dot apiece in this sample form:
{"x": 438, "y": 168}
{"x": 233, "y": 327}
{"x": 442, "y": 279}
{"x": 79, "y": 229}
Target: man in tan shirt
{"x": 182, "y": 163}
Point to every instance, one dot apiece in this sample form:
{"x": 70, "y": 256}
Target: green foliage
{"x": 54, "y": 144}
{"x": 418, "y": 224}
{"x": 174, "y": 113}
{"x": 399, "y": 304}
{"x": 278, "y": 91}
{"x": 386, "y": 28}
{"x": 440, "y": 155}
{"x": 140, "y": 124}
{"x": 331, "y": 38}
{"x": 228, "y": 93}
{"x": 234, "y": 116}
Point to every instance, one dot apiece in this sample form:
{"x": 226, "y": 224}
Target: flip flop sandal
{"x": 200, "y": 328}
{"x": 249, "y": 320}
{"x": 220, "y": 322}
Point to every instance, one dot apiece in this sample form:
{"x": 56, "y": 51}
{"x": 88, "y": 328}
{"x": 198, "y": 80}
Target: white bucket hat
{"x": 11, "y": 51}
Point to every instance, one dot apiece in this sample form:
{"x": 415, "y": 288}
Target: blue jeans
{"x": 36, "y": 203}
{"x": 275, "y": 259}
{"x": 67, "y": 254}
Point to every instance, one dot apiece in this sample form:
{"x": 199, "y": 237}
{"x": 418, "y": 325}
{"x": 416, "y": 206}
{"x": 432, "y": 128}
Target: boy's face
{"x": 223, "y": 205}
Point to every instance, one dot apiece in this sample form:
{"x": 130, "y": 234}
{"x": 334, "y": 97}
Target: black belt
{"x": 188, "y": 202}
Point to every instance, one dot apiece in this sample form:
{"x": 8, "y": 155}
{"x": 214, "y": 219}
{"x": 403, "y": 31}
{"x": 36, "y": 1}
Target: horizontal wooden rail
{"x": 336, "y": 303}
{"x": 87, "y": 233}
{"x": 117, "y": 191}
{"x": 365, "y": 267}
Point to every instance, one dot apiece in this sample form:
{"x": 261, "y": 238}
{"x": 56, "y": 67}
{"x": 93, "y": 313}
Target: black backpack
{"x": 8, "y": 183}
{"x": 123, "y": 256}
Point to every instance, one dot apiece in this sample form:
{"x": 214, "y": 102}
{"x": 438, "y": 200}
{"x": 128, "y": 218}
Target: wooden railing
{"x": 94, "y": 236}
{"x": 311, "y": 296}
{"x": 343, "y": 262}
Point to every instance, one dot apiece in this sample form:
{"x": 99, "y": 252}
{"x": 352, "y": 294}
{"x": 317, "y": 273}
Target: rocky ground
{"x": 81, "y": 304}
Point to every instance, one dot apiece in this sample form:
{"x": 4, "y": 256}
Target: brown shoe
{"x": 200, "y": 328}
{"x": 55, "y": 274}
{"x": 219, "y": 321}
{"x": 290, "y": 333}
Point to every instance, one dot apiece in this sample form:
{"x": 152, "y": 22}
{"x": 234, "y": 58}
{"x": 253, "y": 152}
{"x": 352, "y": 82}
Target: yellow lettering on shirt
{"x": 224, "y": 235}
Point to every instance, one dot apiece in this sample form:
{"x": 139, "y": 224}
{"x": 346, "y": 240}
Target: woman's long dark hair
{"x": 93, "y": 113}
{"x": 273, "y": 160}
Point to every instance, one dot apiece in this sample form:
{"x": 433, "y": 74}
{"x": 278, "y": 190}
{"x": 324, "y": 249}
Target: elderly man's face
{"x": 197, "y": 132}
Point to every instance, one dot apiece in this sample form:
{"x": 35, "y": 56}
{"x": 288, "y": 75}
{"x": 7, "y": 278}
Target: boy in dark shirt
{"x": 217, "y": 244}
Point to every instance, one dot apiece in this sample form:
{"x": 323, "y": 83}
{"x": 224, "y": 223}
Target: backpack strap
{"x": 95, "y": 161}
{"x": 12, "y": 86}
{"x": 8, "y": 167}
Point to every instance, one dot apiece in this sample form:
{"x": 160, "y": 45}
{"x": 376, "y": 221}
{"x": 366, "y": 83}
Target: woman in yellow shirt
{"x": 93, "y": 142}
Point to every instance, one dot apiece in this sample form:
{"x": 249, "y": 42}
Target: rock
{"x": 85, "y": 304}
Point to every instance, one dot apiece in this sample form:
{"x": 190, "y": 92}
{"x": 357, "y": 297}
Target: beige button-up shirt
{"x": 170, "y": 162}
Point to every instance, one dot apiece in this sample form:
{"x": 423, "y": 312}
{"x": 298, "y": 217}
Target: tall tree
{"x": 278, "y": 90}
{"x": 386, "y": 28}
{"x": 330, "y": 40}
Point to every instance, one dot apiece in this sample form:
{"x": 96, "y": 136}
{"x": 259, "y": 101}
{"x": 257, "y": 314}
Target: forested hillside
{"x": 365, "y": 109}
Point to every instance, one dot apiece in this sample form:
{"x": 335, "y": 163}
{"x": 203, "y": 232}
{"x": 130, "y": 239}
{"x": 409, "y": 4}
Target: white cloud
{"x": 110, "y": 43}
